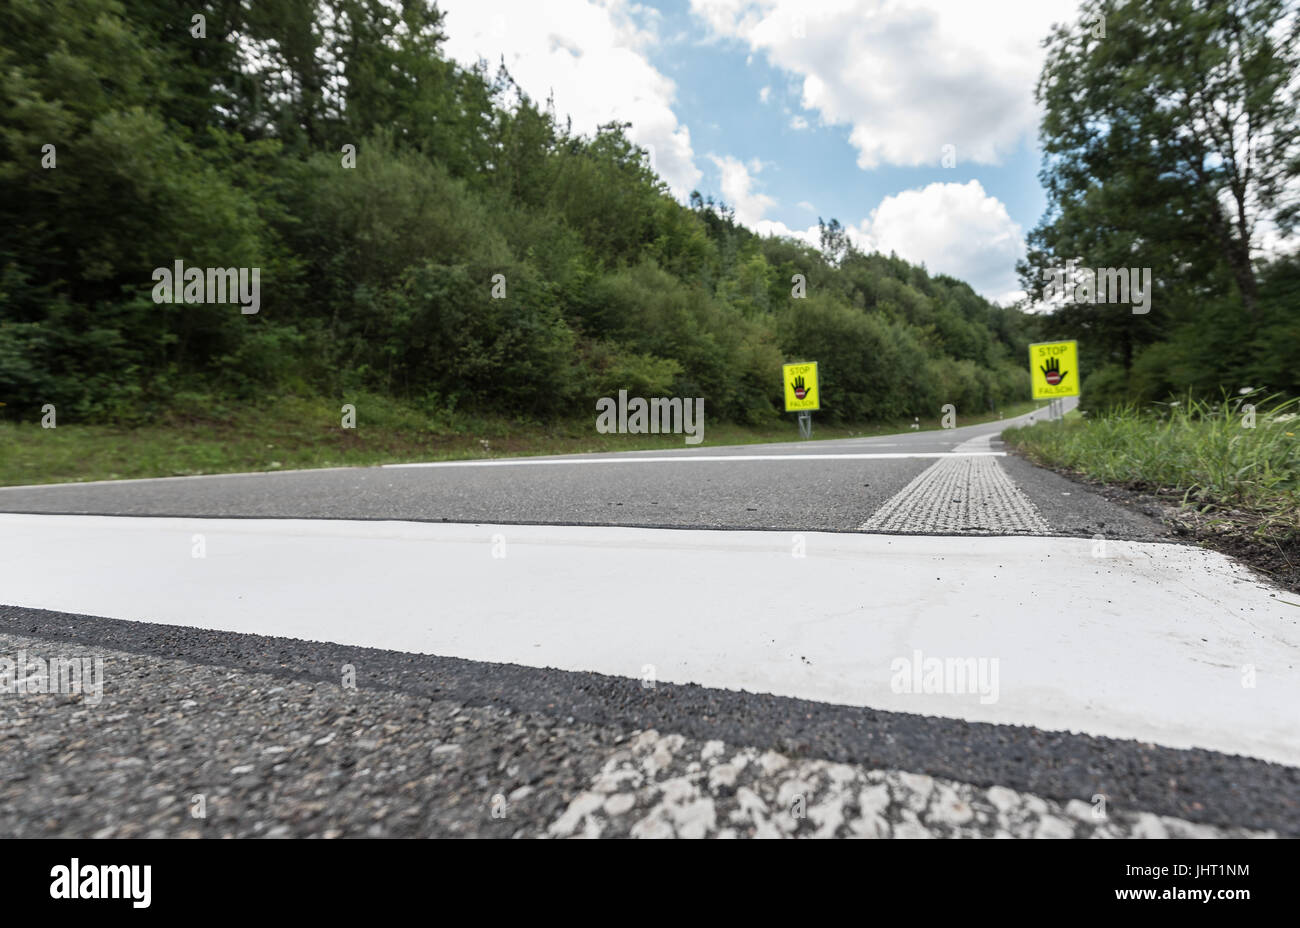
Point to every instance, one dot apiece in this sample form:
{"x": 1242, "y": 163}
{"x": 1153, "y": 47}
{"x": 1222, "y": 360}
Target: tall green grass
{"x": 1200, "y": 449}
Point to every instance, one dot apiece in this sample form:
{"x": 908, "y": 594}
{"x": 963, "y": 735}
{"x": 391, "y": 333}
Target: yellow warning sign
{"x": 1054, "y": 368}
{"x": 801, "y": 391}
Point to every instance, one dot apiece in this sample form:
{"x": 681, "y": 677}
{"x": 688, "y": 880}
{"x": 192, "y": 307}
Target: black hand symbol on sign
{"x": 800, "y": 391}
{"x": 1051, "y": 371}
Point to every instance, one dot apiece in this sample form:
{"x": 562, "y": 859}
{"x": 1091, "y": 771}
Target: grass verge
{"x": 1227, "y": 473}
{"x": 203, "y": 436}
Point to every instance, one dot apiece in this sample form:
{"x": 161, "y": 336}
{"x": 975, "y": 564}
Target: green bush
{"x": 869, "y": 367}
{"x": 441, "y": 330}
{"x": 1103, "y": 389}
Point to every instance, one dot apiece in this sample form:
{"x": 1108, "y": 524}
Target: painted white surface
{"x": 704, "y": 458}
{"x": 1148, "y": 643}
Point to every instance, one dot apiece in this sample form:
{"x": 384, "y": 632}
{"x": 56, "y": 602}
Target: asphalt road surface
{"x": 908, "y": 635}
{"x": 818, "y": 486}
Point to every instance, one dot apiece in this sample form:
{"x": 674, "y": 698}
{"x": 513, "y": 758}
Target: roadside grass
{"x": 1198, "y": 453}
{"x": 203, "y": 435}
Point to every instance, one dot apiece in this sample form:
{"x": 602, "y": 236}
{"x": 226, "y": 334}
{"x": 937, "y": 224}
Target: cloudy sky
{"x": 793, "y": 109}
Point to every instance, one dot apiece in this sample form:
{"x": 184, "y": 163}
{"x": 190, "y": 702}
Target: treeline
{"x": 1172, "y": 142}
{"x": 423, "y": 230}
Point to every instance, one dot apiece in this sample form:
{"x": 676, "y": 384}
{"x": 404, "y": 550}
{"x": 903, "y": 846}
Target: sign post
{"x": 802, "y": 393}
{"x": 1054, "y": 371}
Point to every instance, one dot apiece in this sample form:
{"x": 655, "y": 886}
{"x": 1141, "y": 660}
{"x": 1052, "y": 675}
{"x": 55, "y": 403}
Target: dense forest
{"x": 423, "y": 230}
{"x": 1171, "y": 135}
{"x": 428, "y": 232}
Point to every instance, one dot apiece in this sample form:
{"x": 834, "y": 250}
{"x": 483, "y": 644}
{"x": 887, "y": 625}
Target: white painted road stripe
{"x": 959, "y": 496}
{"x": 628, "y": 458}
{"x": 1162, "y": 643}
{"x": 707, "y": 458}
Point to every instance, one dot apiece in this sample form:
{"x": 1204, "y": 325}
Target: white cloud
{"x": 765, "y": 94}
{"x": 955, "y": 229}
{"x": 737, "y": 185}
{"x": 798, "y": 122}
{"x": 809, "y": 236}
{"x": 907, "y": 76}
{"x": 592, "y": 56}
{"x": 738, "y": 189}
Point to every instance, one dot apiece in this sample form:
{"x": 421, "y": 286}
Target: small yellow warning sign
{"x": 801, "y": 391}
{"x": 1054, "y": 368}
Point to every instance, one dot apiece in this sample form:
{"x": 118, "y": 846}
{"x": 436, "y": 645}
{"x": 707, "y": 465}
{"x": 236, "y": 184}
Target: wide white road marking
{"x": 1161, "y": 643}
{"x": 706, "y": 458}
